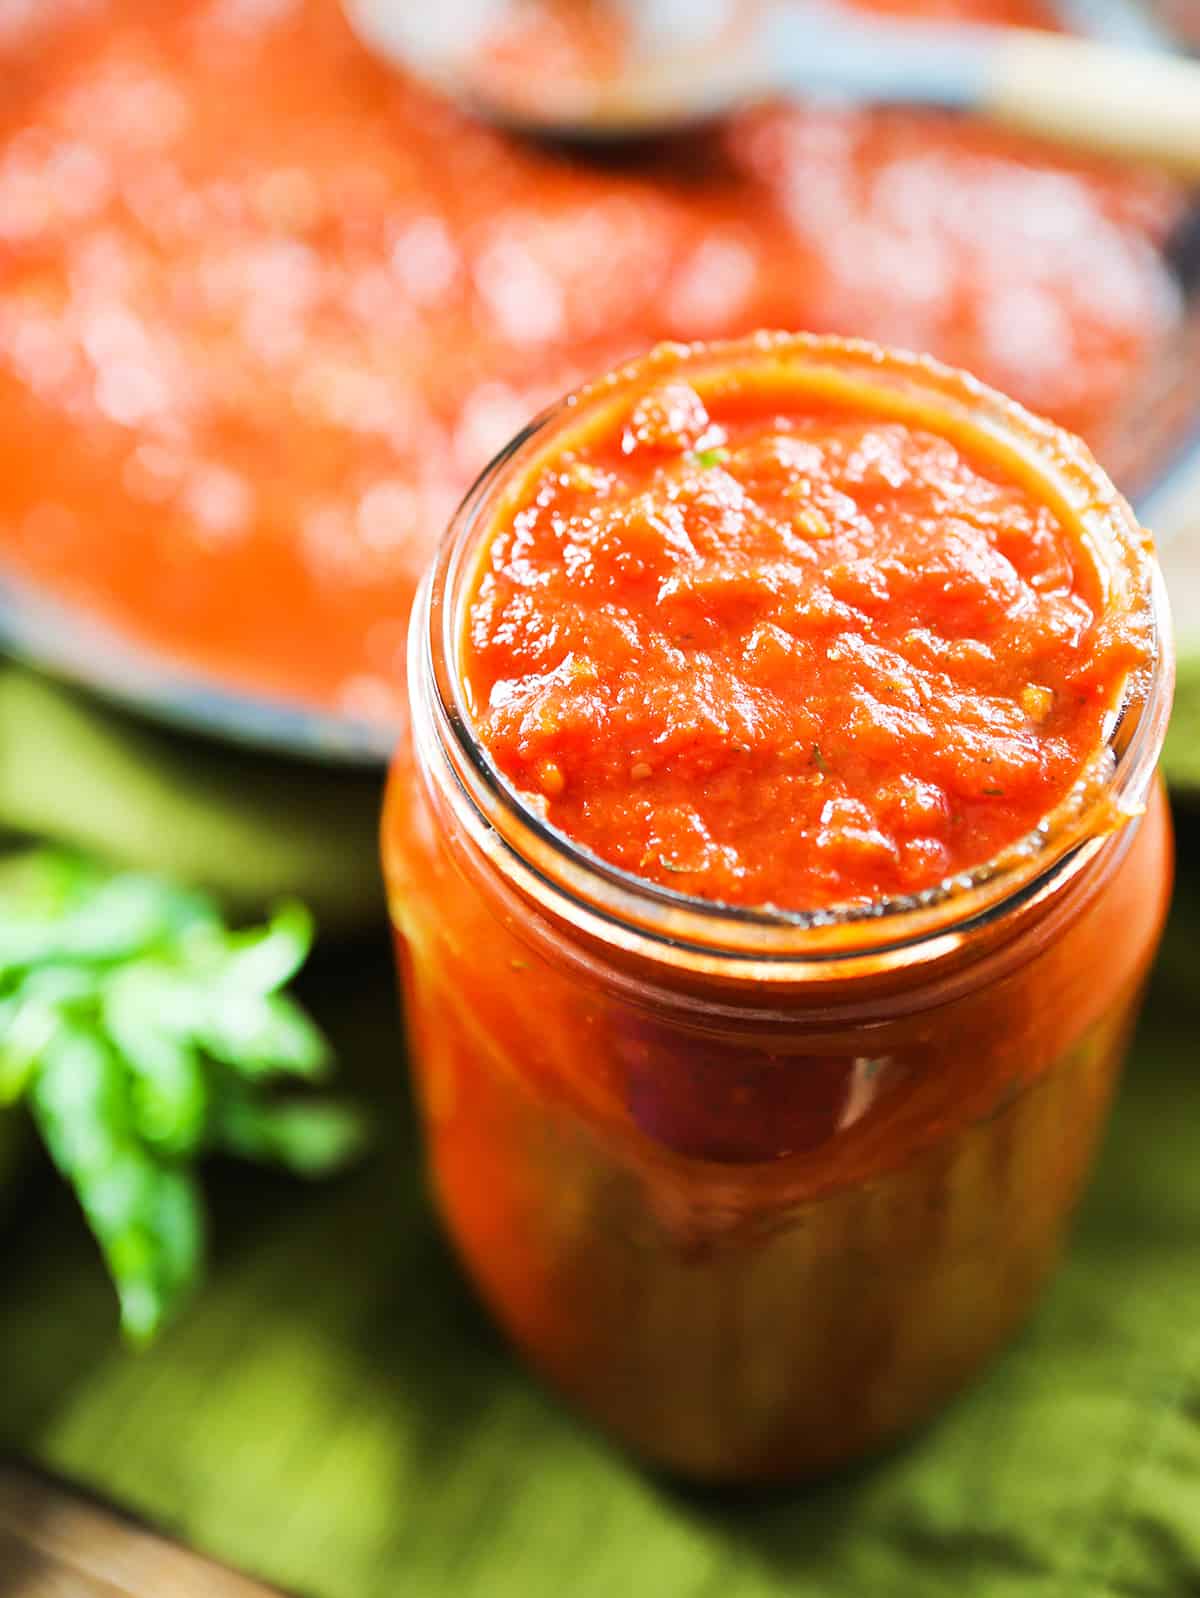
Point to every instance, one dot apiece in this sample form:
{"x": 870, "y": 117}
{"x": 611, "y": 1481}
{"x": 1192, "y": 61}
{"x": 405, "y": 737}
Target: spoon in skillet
{"x": 679, "y": 63}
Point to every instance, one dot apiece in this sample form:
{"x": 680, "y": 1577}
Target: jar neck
{"x": 692, "y": 945}
{"x": 566, "y": 905}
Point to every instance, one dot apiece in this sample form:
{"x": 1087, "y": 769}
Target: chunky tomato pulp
{"x": 267, "y": 306}
{"x": 751, "y": 646}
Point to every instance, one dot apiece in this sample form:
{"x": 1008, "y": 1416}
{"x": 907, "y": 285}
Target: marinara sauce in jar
{"x": 776, "y": 859}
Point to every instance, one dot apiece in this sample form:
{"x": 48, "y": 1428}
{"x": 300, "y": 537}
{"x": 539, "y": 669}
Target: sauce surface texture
{"x": 762, "y": 649}
{"x": 266, "y": 306}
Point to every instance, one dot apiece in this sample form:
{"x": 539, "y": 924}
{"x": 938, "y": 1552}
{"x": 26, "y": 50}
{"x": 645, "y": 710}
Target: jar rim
{"x": 567, "y": 879}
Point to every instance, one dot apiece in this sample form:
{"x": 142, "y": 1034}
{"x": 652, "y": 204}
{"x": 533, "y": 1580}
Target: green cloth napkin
{"x": 251, "y": 828}
{"x": 1181, "y": 757}
{"x": 12, "y": 1145}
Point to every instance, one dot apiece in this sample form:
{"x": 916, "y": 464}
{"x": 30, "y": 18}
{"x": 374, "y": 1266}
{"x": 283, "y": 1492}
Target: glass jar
{"x": 758, "y": 1190}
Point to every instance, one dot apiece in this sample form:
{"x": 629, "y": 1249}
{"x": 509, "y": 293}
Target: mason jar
{"x": 755, "y": 1189}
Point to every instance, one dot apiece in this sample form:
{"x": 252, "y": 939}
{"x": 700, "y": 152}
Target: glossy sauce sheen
{"x": 266, "y": 307}
{"x": 766, "y": 651}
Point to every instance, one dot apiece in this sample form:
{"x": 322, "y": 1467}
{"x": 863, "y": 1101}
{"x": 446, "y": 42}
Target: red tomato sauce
{"x": 266, "y": 306}
{"x": 764, "y": 649}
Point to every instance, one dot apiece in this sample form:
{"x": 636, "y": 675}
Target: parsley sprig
{"x": 141, "y": 1032}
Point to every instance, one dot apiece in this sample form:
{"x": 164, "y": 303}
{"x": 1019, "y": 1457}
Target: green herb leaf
{"x": 712, "y": 457}
{"x": 142, "y": 1032}
{"x": 305, "y": 1137}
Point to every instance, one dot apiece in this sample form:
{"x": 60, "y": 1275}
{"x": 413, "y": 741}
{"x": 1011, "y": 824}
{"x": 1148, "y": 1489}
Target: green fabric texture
{"x": 1181, "y": 756}
{"x": 12, "y": 1145}
{"x": 249, "y": 828}
{"x": 336, "y": 1415}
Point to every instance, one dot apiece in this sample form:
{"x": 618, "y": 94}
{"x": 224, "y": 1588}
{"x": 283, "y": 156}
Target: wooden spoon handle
{"x": 1097, "y": 97}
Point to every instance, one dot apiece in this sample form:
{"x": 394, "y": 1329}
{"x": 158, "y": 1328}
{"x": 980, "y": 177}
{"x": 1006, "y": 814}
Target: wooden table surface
{"x": 54, "y": 1544}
